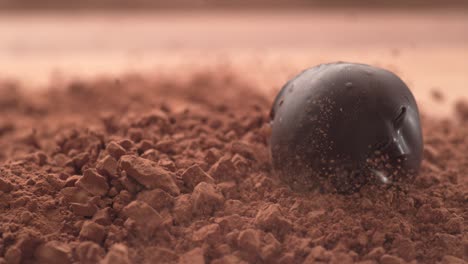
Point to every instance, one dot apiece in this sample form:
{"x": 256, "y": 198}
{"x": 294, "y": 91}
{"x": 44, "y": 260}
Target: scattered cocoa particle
{"x": 53, "y": 252}
{"x": 89, "y": 252}
{"x": 270, "y": 218}
{"x": 147, "y": 173}
{"x": 210, "y": 234}
{"x": 88, "y": 209}
{"x": 194, "y": 175}
{"x": 115, "y": 150}
{"x": 103, "y": 216}
{"x": 157, "y": 198}
{"x": 107, "y": 166}
{"x": 461, "y": 109}
{"x": 118, "y": 254}
{"x": 145, "y": 217}
{"x": 206, "y": 199}
{"x": 5, "y": 186}
{"x": 92, "y": 231}
{"x": 194, "y": 256}
{"x": 93, "y": 183}
{"x": 437, "y": 95}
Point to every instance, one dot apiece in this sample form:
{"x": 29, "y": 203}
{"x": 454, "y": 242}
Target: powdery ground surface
{"x": 177, "y": 170}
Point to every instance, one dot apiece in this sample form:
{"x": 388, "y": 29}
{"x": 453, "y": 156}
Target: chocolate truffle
{"x": 344, "y": 125}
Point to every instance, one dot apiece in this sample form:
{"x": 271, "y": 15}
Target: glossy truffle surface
{"x": 345, "y": 124}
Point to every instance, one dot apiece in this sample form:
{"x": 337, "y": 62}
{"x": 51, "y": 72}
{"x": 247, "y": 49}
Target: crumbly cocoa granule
{"x": 171, "y": 170}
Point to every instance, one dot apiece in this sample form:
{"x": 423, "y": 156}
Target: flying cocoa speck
{"x": 345, "y": 125}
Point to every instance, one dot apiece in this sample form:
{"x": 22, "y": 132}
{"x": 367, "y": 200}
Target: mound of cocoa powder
{"x": 171, "y": 170}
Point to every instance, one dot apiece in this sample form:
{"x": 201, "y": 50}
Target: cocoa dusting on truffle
{"x": 149, "y": 170}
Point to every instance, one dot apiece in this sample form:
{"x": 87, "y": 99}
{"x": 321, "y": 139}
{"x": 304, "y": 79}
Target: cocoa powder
{"x": 171, "y": 170}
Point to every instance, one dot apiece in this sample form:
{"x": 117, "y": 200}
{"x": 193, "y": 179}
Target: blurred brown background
{"x": 425, "y": 42}
{"x": 240, "y": 4}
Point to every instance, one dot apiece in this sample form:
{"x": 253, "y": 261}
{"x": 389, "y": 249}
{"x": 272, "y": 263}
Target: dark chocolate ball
{"x": 343, "y": 125}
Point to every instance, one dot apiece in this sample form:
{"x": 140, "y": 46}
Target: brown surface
{"x": 162, "y": 170}
{"x": 215, "y": 4}
{"x": 428, "y": 49}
